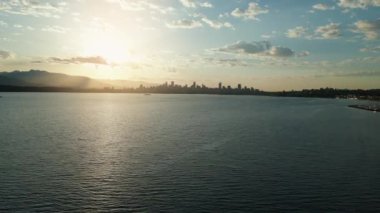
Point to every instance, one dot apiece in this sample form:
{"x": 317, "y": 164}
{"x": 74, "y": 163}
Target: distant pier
{"x": 373, "y": 108}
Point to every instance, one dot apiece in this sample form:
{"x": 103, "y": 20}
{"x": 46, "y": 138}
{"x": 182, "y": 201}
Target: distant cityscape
{"x": 43, "y": 81}
{"x": 194, "y": 88}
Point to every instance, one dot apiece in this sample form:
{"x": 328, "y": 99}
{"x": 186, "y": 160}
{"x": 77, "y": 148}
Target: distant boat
{"x": 147, "y": 94}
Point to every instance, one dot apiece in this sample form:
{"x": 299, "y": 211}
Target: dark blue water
{"x": 186, "y": 153}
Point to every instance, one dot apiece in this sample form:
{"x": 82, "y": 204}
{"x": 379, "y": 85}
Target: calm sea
{"x": 186, "y": 153}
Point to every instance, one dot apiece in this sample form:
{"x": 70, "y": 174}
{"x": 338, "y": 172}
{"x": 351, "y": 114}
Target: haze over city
{"x": 271, "y": 45}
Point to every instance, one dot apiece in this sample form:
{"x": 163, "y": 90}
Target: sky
{"x": 269, "y": 45}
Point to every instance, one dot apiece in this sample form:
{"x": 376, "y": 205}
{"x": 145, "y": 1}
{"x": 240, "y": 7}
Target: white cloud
{"x": 79, "y": 60}
{"x": 370, "y": 29}
{"x": 323, "y": 7}
{"x": 41, "y": 8}
{"x": 358, "y": 4}
{"x": 224, "y": 15}
{"x": 130, "y": 5}
{"x": 141, "y": 5}
{"x": 246, "y": 47}
{"x": 206, "y": 4}
{"x": 371, "y": 49}
{"x": 280, "y": 52}
{"x": 217, "y": 24}
{"x": 157, "y": 8}
{"x": 55, "y": 29}
{"x": 5, "y": 54}
{"x": 22, "y": 27}
{"x": 251, "y": 12}
{"x": 195, "y": 4}
{"x": 189, "y": 3}
{"x": 296, "y": 32}
{"x": 303, "y": 54}
{"x": 329, "y": 31}
{"x": 231, "y": 62}
{"x": 358, "y": 74}
{"x": 258, "y": 48}
{"x": 184, "y": 24}
{"x": 267, "y": 36}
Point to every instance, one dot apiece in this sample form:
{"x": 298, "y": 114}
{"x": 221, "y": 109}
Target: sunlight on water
{"x": 118, "y": 152}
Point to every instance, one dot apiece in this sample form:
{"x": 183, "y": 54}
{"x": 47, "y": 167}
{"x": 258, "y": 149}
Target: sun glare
{"x": 112, "y": 49}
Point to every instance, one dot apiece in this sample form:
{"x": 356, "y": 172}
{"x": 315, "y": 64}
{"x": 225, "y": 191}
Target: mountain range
{"x": 38, "y": 78}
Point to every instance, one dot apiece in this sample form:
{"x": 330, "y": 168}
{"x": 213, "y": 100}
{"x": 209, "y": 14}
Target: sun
{"x": 111, "y": 48}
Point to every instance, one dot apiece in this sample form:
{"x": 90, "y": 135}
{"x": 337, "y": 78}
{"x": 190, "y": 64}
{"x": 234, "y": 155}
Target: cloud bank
{"x": 184, "y": 24}
{"x": 5, "y": 54}
{"x": 79, "y": 60}
{"x": 251, "y": 13}
{"x": 259, "y": 48}
{"x": 195, "y": 4}
{"x": 328, "y": 31}
{"x": 41, "y": 8}
{"x": 370, "y": 29}
{"x": 323, "y": 7}
{"x": 358, "y": 4}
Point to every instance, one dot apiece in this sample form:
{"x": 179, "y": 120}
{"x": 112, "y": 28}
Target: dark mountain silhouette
{"x": 4, "y": 80}
{"x": 37, "y": 78}
{"x": 46, "y": 79}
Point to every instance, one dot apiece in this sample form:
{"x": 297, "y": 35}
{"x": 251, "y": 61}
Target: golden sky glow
{"x": 272, "y": 44}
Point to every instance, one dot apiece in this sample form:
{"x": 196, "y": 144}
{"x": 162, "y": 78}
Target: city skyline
{"x": 271, "y": 45}
{"x": 42, "y": 81}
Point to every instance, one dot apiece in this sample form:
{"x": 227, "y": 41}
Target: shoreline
{"x": 329, "y": 93}
{"x": 374, "y": 108}
{"x": 166, "y": 93}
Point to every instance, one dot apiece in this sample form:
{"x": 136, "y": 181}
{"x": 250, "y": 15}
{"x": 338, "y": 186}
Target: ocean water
{"x": 186, "y": 153}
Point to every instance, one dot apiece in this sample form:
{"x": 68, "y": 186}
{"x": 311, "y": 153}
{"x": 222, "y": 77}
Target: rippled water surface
{"x": 186, "y": 153}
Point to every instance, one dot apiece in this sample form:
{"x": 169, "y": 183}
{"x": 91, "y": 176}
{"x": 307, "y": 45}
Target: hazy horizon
{"x": 270, "y": 45}
{"x": 125, "y": 83}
